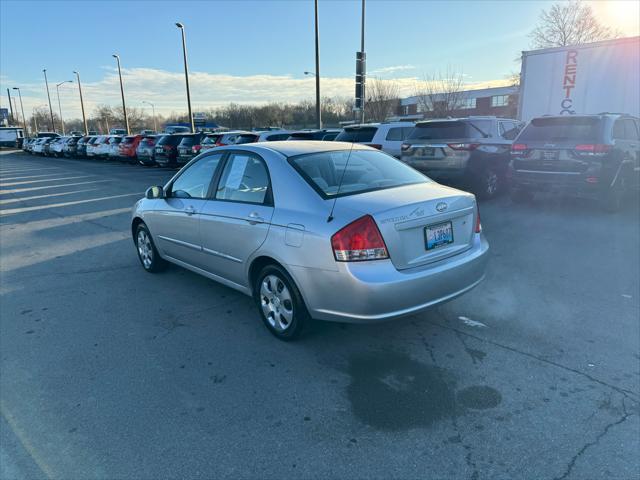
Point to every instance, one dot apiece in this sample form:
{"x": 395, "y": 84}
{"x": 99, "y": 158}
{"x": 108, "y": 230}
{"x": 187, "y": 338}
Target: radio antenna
{"x": 335, "y": 199}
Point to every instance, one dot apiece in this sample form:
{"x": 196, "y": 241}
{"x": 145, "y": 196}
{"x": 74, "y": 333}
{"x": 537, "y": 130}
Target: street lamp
{"x": 24, "y": 119}
{"x": 310, "y": 73}
{"x": 317, "y": 74}
{"x": 153, "y": 108}
{"x": 84, "y": 118}
{"x": 186, "y": 75}
{"x": 46, "y": 82}
{"x": 60, "y": 106}
{"x": 124, "y": 106}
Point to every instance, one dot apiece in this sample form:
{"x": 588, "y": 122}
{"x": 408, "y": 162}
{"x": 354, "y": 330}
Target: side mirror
{"x": 154, "y": 192}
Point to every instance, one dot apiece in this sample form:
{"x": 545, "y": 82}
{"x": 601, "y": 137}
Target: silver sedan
{"x": 314, "y": 230}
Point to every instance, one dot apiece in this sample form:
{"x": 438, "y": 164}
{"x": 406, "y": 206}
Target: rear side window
{"x": 357, "y": 135}
{"x": 451, "y": 130}
{"x": 359, "y": 170}
{"x": 562, "y": 129}
{"x": 128, "y": 140}
{"x": 244, "y": 179}
{"x": 397, "y": 134}
{"x": 330, "y": 136}
{"x": 170, "y": 140}
{"x": 276, "y": 137}
{"x": 301, "y": 136}
{"x": 630, "y": 130}
{"x": 248, "y": 138}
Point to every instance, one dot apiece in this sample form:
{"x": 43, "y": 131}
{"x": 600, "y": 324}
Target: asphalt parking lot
{"x": 110, "y": 372}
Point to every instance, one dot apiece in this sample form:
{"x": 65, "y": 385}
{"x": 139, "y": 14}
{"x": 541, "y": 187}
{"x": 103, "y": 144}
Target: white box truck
{"x": 582, "y": 79}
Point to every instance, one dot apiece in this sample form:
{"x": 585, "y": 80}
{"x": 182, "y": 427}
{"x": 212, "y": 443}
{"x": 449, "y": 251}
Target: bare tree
{"x": 383, "y": 97}
{"x": 440, "y": 94}
{"x": 569, "y": 23}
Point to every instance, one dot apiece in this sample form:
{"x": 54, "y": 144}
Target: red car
{"x": 128, "y": 146}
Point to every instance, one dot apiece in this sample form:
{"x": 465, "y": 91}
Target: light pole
{"x": 84, "y": 118}
{"x": 318, "y": 112}
{"x": 153, "y": 108}
{"x": 186, "y": 75}
{"x": 46, "y": 82}
{"x": 124, "y": 106}
{"x": 363, "y": 66}
{"x": 24, "y": 119}
{"x": 59, "y": 105}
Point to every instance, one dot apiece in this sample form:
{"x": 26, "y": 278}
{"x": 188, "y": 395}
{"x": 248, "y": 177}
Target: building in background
{"x": 497, "y": 101}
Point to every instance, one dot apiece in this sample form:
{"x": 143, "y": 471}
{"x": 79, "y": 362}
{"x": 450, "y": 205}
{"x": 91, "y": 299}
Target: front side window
{"x": 194, "y": 182}
{"x": 398, "y": 133}
{"x": 244, "y": 179}
{"x": 346, "y": 172}
{"x": 618, "y": 130}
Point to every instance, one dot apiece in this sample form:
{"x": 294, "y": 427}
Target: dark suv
{"x": 190, "y": 146}
{"x": 585, "y": 155}
{"x": 166, "y": 149}
{"x": 471, "y": 152}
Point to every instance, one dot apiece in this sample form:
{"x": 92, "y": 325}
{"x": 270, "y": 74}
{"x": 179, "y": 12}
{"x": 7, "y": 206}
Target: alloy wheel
{"x": 145, "y": 250}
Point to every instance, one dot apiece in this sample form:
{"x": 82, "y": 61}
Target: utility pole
{"x": 186, "y": 75}
{"x": 318, "y": 106}
{"x": 11, "y": 105}
{"x": 24, "y": 119}
{"x": 46, "y": 82}
{"x": 361, "y": 72}
{"x": 124, "y": 106}
{"x": 84, "y": 118}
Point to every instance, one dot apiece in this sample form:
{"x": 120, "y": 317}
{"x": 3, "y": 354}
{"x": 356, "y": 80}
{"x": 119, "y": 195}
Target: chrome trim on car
{"x": 219, "y": 254}
{"x": 180, "y": 242}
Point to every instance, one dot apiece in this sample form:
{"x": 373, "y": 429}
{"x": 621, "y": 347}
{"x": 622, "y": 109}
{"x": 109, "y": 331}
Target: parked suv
{"x": 190, "y": 146}
{"x": 585, "y": 155}
{"x": 146, "y": 150}
{"x": 326, "y": 134}
{"x": 167, "y": 149}
{"x": 387, "y": 137}
{"x": 472, "y": 152}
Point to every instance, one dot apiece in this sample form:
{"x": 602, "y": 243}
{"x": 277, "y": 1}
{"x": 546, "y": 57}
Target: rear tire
{"x": 613, "y": 198}
{"x": 147, "y": 252}
{"x": 489, "y": 182}
{"x": 280, "y": 304}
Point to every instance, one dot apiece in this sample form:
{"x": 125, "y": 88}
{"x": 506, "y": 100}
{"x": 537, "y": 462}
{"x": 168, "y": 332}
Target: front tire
{"x": 279, "y": 303}
{"x": 147, "y": 252}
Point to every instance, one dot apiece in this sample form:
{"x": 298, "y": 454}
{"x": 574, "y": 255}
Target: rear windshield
{"x": 365, "y": 171}
{"x": 128, "y": 140}
{"x": 211, "y": 140}
{"x": 561, "y": 129}
{"x": 451, "y": 130}
{"x": 115, "y": 140}
{"x": 170, "y": 140}
{"x": 302, "y": 136}
{"x": 187, "y": 142}
{"x": 357, "y": 135}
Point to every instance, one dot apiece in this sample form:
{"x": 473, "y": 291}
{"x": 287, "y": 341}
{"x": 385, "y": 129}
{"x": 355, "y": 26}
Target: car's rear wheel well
{"x": 134, "y": 225}
{"x": 258, "y": 264}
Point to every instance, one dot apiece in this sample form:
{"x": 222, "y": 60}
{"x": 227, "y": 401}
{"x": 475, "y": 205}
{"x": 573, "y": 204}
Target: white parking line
{"x": 471, "y": 323}
{"x": 12, "y": 211}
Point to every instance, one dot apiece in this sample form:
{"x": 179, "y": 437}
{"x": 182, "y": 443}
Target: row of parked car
{"x": 597, "y": 155}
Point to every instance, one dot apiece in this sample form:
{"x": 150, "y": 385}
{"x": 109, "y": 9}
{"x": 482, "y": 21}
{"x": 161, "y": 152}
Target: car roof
{"x": 291, "y": 149}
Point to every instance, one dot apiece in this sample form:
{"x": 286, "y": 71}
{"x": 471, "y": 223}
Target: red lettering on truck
{"x": 569, "y": 81}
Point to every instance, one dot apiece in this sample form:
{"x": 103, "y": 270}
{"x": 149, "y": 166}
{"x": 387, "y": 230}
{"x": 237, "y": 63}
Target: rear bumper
{"x": 574, "y": 184}
{"x": 366, "y": 292}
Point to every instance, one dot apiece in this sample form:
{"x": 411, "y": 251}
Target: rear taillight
{"x": 478, "y": 224}
{"x": 404, "y": 147}
{"x": 374, "y": 145}
{"x": 360, "y": 240}
{"x": 167, "y": 147}
{"x": 518, "y": 147}
{"x": 196, "y": 148}
{"x": 592, "y": 149}
{"x": 463, "y": 146}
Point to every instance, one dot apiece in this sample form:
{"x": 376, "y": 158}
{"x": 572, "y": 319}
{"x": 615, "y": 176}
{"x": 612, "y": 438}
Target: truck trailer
{"x": 582, "y": 79}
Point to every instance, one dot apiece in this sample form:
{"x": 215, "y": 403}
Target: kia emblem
{"x": 441, "y": 207}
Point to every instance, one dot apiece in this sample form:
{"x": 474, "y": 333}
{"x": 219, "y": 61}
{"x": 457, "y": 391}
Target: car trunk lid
{"x": 412, "y": 214}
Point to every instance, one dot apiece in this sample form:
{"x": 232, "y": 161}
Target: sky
{"x": 257, "y": 51}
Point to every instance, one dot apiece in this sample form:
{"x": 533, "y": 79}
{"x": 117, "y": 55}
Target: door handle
{"x": 190, "y": 210}
{"x": 254, "y": 217}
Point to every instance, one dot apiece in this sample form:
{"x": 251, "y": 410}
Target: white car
{"x": 272, "y": 135}
{"x": 102, "y": 147}
{"x": 114, "y": 147}
{"x": 387, "y": 137}
{"x": 56, "y": 146}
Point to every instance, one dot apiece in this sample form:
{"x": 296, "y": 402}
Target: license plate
{"x": 549, "y": 155}
{"x": 438, "y": 235}
{"x": 158, "y": 150}
{"x": 427, "y": 152}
